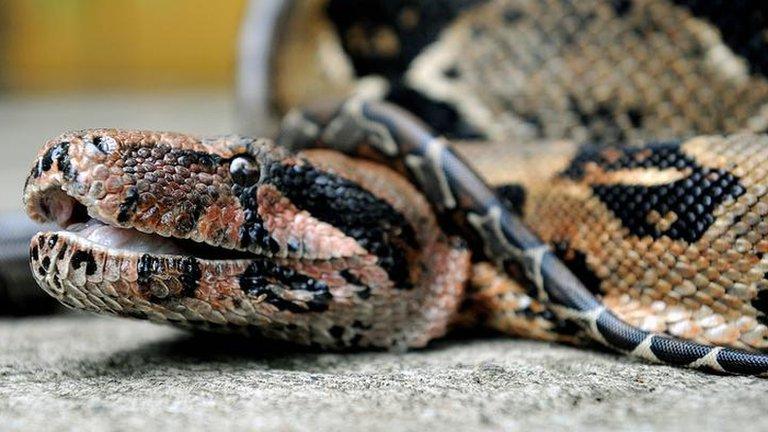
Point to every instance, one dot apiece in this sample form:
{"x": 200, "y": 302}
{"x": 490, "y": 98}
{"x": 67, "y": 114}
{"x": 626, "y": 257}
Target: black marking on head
{"x": 265, "y": 277}
{"x": 129, "y": 205}
{"x": 33, "y": 173}
{"x": 46, "y": 162}
{"x": 576, "y": 261}
{"x": 619, "y": 334}
{"x": 742, "y": 363}
{"x": 760, "y": 302}
{"x": 34, "y": 253}
{"x": 62, "y": 160}
{"x": 692, "y": 199}
{"x": 190, "y": 275}
{"x": 375, "y": 224}
{"x": 97, "y": 141}
{"x": 635, "y": 117}
{"x": 512, "y": 196}
{"x": 52, "y": 240}
{"x": 365, "y": 293}
{"x": 60, "y": 154}
{"x": 104, "y": 144}
{"x": 46, "y": 262}
{"x": 82, "y": 256}
{"x": 253, "y": 232}
{"x": 677, "y": 352}
{"x": 187, "y": 158}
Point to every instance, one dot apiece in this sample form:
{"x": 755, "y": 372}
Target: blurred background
{"x": 69, "y": 64}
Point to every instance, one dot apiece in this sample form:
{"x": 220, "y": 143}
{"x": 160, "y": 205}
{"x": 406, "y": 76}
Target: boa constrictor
{"x": 240, "y": 234}
{"x": 655, "y": 250}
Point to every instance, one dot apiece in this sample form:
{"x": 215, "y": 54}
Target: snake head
{"x": 230, "y": 192}
{"x": 239, "y": 232}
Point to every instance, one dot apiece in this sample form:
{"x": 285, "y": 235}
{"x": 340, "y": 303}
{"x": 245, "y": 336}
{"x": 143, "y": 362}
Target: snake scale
{"x": 654, "y": 250}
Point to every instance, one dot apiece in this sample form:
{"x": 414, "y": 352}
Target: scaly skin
{"x": 301, "y": 222}
{"x": 629, "y": 212}
{"x": 343, "y": 252}
{"x": 637, "y": 276}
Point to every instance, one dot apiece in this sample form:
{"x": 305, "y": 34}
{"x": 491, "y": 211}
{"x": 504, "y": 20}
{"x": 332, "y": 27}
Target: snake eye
{"x": 102, "y": 144}
{"x": 244, "y": 171}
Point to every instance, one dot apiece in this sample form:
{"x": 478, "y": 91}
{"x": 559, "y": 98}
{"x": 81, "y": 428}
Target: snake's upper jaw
{"x": 57, "y": 191}
{"x": 45, "y": 191}
{"x": 47, "y": 201}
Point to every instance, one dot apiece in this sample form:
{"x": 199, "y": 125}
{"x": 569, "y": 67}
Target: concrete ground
{"x": 79, "y": 372}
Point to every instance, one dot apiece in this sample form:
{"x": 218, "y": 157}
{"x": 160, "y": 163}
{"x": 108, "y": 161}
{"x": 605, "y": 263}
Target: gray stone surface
{"x": 78, "y": 372}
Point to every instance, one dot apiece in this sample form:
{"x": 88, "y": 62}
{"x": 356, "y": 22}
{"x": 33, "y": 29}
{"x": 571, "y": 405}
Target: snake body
{"x": 316, "y": 247}
{"x": 656, "y": 250}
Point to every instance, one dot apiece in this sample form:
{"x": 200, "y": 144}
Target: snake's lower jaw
{"x": 103, "y": 269}
{"x": 108, "y": 270}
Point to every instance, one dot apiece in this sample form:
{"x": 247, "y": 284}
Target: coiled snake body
{"x": 323, "y": 249}
{"x": 656, "y": 251}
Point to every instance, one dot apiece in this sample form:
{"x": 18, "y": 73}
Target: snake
{"x": 653, "y": 250}
{"x": 241, "y": 234}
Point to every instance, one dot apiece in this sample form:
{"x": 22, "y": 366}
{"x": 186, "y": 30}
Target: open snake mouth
{"x": 238, "y": 234}
{"x": 57, "y": 206}
{"x": 96, "y": 265}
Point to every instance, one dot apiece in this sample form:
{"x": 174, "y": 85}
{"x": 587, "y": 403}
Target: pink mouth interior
{"x": 124, "y": 239}
{"x": 56, "y": 206}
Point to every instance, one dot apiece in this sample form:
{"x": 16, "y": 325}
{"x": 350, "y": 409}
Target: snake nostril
{"x": 56, "y": 206}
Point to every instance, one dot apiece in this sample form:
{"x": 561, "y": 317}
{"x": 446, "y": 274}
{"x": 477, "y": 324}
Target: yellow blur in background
{"x": 137, "y": 64}
{"x": 66, "y": 45}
